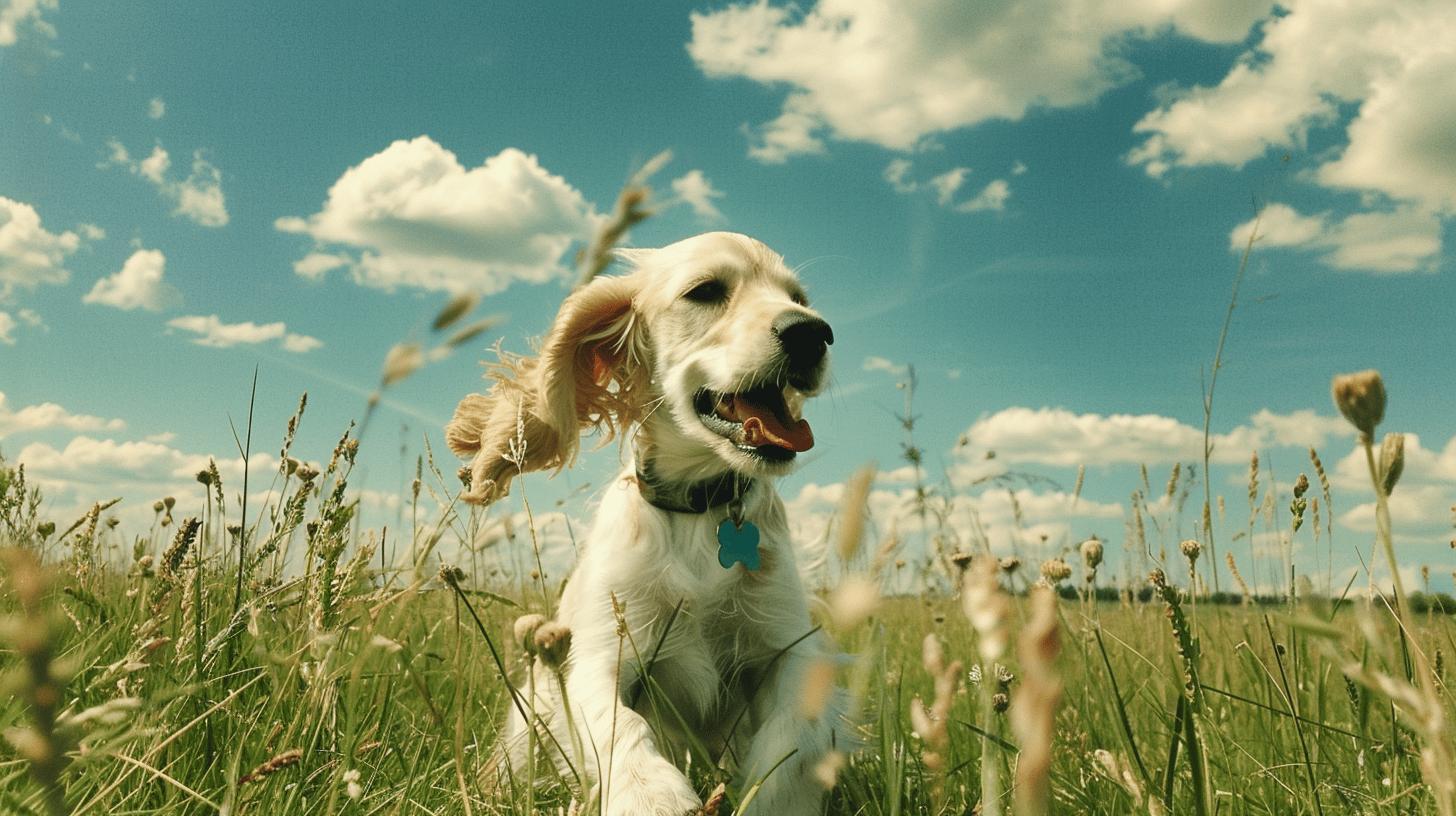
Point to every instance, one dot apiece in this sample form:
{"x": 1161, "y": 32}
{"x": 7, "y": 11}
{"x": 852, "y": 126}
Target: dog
{"x": 703, "y": 356}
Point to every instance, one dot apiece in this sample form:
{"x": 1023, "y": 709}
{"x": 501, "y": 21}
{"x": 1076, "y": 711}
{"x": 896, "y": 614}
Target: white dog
{"x": 705, "y": 353}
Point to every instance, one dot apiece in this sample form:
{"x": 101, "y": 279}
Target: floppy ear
{"x": 592, "y": 372}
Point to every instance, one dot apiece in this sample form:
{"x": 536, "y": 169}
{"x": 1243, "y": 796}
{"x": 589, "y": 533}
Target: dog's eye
{"x": 710, "y": 291}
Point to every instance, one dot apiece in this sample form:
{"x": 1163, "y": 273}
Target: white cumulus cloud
{"x": 1405, "y": 239}
{"x": 412, "y": 215}
{"x": 138, "y": 285}
{"x": 29, "y": 255}
{"x": 894, "y": 73}
{"x": 1392, "y": 59}
{"x": 1056, "y": 436}
{"x": 47, "y": 415}
{"x": 211, "y": 331}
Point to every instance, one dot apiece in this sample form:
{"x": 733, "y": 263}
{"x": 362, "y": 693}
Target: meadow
{"x": 286, "y": 659}
{"x": 187, "y": 671}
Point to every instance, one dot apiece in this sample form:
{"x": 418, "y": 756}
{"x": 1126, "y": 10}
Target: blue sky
{"x": 1036, "y": 209}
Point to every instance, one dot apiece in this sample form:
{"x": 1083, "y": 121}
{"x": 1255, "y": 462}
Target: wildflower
{"x": 204, "y": 478}
{"x": 553, "y": 642}
{"x": 525, "y": 631}
{"x": 1010, "y": 564}
{"x": 961, "y": 559}
{"x": 351, "y": 784}
{"x": 169, "y": 503}
{"x": 1191, "y": 548}
{"x": 1055, "y": 571}
{"x": 1092, "y": 552}
{"x": 1361, "y": 398}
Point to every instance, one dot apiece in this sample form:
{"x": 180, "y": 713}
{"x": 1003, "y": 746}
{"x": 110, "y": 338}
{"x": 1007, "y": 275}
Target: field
{"x": 187, "y": 672}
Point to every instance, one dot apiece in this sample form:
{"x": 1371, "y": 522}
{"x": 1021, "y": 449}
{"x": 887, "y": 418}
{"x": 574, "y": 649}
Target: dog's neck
{"x": 690, "y": 497}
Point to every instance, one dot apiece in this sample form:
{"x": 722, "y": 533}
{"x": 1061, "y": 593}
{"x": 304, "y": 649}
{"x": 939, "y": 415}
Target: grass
{"x": 351, "y": 688}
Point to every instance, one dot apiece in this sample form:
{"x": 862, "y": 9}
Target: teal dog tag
{"x": 737, "y": 544}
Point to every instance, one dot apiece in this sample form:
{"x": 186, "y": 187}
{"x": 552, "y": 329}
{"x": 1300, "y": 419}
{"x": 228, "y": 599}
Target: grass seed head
{"x": 1392, "y": 461}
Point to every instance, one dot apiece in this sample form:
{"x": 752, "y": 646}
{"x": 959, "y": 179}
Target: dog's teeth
{"x": 794, "y": 401}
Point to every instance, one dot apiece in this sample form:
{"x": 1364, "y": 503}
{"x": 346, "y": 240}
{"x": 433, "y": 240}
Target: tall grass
{"x": 141, "y": 681}
{"x": 288, "y": 661}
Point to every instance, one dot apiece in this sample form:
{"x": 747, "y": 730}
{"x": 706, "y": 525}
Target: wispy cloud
{"x": 198, "y": 197}
{"x": 213, "y": 332}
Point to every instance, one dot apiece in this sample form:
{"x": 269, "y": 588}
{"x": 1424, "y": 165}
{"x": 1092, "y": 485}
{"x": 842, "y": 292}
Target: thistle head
{"x": 1361, "y": 398}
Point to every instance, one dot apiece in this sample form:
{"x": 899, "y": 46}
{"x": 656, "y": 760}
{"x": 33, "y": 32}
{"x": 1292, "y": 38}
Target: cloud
{"x": 1055, "y": 436}
{"x": 9, "y": 323}
{"x": 1406, "y": 239}
{"x": 138, "y": 285}
{"x": 946, "y": 184}
{"x": 315, "y": 265}
{"x": 214, "y": 333}
{"x": 156, "y": 108}
{"x": 897, "y": 173}
{"x": 1392, "y": 59}
{"x": 88, "y": 469}
{"x": 15, "y": 14}
{"x": 695, "y": 188}
{"x": 1418, "y": 506}
{"x": 873, "y": 363}
{"x": 412, "y": 215}
{"x": 29, "y": 255}
{"x": 893, "y": 74}
{"x": 198, "y": 197}
{"x": 992, "y": 197}
{"x": 47, "y": 415}
{"x": 1423, "y": 466}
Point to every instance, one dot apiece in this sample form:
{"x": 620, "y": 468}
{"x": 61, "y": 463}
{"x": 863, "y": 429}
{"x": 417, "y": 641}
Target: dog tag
{"x": 738, "y": 544}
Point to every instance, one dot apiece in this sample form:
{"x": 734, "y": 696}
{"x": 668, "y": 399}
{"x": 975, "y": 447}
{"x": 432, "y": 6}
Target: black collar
{"x": 691, "y": 497}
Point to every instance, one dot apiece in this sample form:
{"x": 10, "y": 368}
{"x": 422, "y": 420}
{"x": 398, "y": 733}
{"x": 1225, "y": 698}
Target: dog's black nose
{"x": 803, "y": 337}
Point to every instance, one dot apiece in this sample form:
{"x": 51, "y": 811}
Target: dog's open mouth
{"x": 765, "y": 421}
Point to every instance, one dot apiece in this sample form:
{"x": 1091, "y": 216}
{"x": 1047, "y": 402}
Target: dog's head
{"x": 708, "y": 344}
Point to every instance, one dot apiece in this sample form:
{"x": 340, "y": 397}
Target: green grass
{"x": 383, "y": 679}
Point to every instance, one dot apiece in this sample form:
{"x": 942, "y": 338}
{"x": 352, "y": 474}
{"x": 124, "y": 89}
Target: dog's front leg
{"x": 790, "y": 741}
{"x": 632, "y": 777}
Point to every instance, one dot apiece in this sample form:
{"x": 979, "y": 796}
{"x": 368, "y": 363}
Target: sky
{"x": 1040, "y": 206}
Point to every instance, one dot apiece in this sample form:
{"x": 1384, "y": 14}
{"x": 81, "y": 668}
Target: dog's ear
{"x": 592, "y": 372}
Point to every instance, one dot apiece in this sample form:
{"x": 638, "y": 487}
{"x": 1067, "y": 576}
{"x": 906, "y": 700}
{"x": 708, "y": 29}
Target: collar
{"x": 691, "y": 497}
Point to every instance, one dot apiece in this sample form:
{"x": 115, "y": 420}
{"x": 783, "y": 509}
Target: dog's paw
{"x": 651, "y": 788}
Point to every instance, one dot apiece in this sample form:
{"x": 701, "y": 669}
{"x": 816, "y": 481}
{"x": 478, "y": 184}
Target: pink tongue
{"x": 762, "y": 427}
